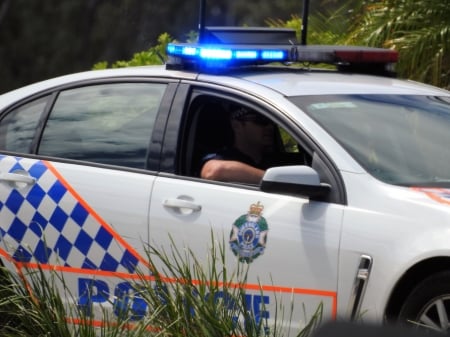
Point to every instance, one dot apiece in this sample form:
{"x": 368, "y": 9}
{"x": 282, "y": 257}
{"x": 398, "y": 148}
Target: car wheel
{"x": 428, "y": 305}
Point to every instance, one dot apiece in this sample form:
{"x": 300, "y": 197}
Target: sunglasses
{"x": 258, "y": 120}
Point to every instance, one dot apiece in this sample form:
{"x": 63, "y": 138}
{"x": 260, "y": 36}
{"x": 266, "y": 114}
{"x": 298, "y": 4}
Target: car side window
{"x": 18, "y": 127}
{"x": 108, "y": 123}
{"x": 231, "y": 131}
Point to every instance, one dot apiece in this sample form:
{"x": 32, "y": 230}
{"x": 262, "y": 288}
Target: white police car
{"x": 95, "y": 165}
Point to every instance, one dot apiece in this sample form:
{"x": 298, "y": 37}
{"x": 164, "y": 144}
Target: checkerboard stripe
{"x": 50, "y": 224}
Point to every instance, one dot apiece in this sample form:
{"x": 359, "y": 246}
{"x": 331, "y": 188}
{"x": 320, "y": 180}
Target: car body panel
{"x": 309, "y": 82}
{"x": 65, "y": 221}
{"x": 395, "y": 226}
{"x": 290, "y": 220}
{"x": 311, "y": 248}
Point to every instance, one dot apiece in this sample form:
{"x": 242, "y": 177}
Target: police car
{"x": 96, "y": 166}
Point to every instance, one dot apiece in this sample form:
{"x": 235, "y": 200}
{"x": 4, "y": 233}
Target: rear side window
{"x": 108, "y": 123}
{"x": 18, "y": 128}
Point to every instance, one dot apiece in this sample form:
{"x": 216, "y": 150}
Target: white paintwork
{"x": 312, "y": 246}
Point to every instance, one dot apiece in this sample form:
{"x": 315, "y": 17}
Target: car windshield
{"x": 399, "y": 139}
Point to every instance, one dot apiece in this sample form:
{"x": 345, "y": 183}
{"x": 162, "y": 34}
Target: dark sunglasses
{"x": 258, "y": 120}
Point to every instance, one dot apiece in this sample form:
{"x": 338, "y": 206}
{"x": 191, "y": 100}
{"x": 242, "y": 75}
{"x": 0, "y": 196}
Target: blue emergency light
{"x": 224, "y": 48}
{"x": 227, "y": 53}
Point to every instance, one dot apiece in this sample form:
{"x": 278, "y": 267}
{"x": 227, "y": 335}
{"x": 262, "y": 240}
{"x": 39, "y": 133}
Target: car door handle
{"x": 182, "y": 204}
{"x": 17, "y": 178}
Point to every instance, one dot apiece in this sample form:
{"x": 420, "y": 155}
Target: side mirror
{"x": 294, "y": 180}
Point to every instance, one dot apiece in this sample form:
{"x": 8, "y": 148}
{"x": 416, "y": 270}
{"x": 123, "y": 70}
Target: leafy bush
{"x": 152, "y": 56}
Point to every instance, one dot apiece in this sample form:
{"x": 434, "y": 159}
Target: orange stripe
{"x": 93, "y": 213}
{"x": 433, "y": 195}
{"x": 6, "y": 255}
{"x": 99, "y": 324}
{"x": 247, "y": 286}
{"x": 94, "y": 272}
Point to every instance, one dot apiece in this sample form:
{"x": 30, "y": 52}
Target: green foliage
{"x": 323, "y": 29}
{"x": 184, "y": 297}
{"x": 61, "y": 43}
{"x": 152, "y": 56}
{"x": 294, "y": 23}
{"x": 33, "y": 307}
{"x": 191, "y": 303}
{"x": 419, "y": 30}
{"x": 328, "y": 25}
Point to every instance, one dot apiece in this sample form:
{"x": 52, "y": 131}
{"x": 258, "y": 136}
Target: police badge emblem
{"x": 248, "y": 235}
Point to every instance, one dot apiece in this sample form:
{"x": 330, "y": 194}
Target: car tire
{"x": 428, "y": 305}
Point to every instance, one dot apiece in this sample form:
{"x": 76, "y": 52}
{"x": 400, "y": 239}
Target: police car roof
{"x": 243, "y": 52}
{"x": 287, "y": 81}
{"x": 298, "y": 82}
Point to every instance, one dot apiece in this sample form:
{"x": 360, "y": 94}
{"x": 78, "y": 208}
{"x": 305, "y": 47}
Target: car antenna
{"x": 201, "y": 22}
{"x": 305, "y": 22}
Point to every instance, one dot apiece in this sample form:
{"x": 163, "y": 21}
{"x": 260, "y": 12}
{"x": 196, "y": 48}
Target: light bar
{"x": 345, "y": 55}
{"x": 227, "y": 52}
{"x": 372, "y": 55}
{"x": 227, "y": 56}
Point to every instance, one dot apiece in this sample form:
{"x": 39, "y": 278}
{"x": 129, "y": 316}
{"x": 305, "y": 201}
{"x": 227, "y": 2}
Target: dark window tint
{"x": 214, "y": 133}
{"x": 18, "y": 127}
{"x": 109, "y": 123}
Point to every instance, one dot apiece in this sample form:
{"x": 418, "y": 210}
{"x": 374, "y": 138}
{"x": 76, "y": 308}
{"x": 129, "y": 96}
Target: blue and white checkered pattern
{"x": 47, "y": 224}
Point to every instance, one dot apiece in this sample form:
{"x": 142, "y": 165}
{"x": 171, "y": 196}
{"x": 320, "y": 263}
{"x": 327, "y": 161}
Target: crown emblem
{"x": 256, "y": 209}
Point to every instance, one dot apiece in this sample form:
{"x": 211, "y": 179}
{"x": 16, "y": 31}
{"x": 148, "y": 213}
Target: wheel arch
{"x": 410, "y": 280}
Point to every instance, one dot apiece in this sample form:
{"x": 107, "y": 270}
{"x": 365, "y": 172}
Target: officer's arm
{"x": 231, "y": 171}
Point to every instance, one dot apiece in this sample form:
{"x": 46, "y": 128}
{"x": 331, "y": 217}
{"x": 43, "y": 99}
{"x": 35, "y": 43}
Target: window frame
{"x": 154, "y": 148}
{"x": 174, "y": 147}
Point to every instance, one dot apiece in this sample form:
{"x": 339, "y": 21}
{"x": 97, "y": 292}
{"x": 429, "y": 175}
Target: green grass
{"x": 183, "y": 297}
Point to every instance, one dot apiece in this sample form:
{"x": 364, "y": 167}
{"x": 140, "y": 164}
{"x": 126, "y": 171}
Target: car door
{"x": 80, "y": 206}
{"x": 290, "y": 244}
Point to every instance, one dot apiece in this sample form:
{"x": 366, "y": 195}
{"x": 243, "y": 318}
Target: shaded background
{"x": 43, "y": 39}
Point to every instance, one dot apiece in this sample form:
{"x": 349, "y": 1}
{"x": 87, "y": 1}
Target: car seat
{"x": 211, "y": 132}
